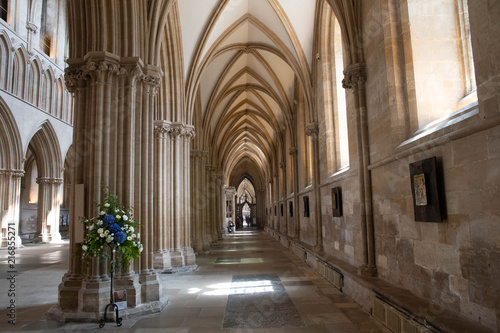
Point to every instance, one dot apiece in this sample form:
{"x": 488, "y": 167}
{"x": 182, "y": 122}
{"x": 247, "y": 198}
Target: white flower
{"x": 103, "y": 212}
{"x": 91, "y": 227}
{"x": 106, "y": 205}
{"x": 102, "y": 235}
{"x": 134, "y": 235}
{"x": 84, "y": 248}
{"x": 131, "y": 229}
{"x": 125, "y": 218}
{"x": 139, "y": 235}
{"x": 100, "y": 230}
{"x": 106, "y": 232}
{"x": 99, "y": 222}
{"x": 141, "y": 248}
{"x": 129, "y": 237}
{"x": 117, "y": 210}
{"x": 118, "y": 217}
{"x": 109, "y": 239}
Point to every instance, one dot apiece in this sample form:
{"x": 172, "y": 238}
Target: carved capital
{"x": 162, "y": 128}
{"x": 12, "y": 173}
{"x": 176, "y": 130}
{"x": 189, "y": 132}
{"x": 293, "y": 151}
{"x": 50, "y": 181}
{"x": 312, "y": 130}
{"x": 354, "y": 76}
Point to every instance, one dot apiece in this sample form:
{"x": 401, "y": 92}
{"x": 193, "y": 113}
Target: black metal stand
{"x": 112, "y": 303}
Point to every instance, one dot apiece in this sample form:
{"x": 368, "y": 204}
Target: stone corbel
{"x": 32, "y": 27}
{"x": 354, "y": 76}
{"x": 312, "y": 130}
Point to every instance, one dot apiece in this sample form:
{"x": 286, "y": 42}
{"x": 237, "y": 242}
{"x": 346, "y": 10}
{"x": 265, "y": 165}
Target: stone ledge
{"x": 144, "y": 309}
{"x": 419, "y": 309}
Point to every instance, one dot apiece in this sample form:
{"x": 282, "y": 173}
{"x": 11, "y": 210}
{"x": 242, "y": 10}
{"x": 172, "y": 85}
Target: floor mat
{"x": 259, "y": 301}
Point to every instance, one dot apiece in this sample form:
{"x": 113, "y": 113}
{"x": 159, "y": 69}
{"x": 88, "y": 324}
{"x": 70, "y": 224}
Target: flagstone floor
{"x": 248, "y": 283}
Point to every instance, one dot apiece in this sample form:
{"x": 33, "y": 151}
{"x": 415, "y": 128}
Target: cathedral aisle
{"x": 248, "y": 283}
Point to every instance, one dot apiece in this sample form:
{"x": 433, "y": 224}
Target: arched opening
{"x": 246, "y": 208}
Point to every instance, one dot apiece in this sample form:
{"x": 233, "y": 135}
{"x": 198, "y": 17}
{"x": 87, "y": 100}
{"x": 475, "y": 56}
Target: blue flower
{"x": 120, "y": 237}
{"x": 108, "y": 220}
{"x": 114, "y": 228}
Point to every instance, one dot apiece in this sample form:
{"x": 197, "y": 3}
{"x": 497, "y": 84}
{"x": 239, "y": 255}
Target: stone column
{"x": 162, "y": 260}
{"x": 49, "y": 204}
{"x": 181, "y": 252}
{"x": 10, "y": 192}
{"x": 197, "y": 198}
{"x": 312, "y": 131}
{"x": 295, "y": 165}
{"x": 219, "y": 204}
{"x": 354, "y": 78}
{"x": 283, "y": 198}
{"x": 211, "y": 194}
{"x": 115, "y": 101}
{"x": 230, "y": 208}
{"x": 276, "y": 213}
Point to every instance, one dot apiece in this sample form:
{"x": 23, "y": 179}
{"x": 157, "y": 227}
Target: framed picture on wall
{"x": 336, "y": 202}
{"x": 425, "y": 191}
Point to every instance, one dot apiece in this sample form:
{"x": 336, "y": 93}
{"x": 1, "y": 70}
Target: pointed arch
{"x": 5, "y": 47}
{"x": 45, "y": 146}
{"x": 19, "y": 65}
{"x": 11, "y": 151}
{"x": 46, "y": 100}
{"x": 35, "y": 82}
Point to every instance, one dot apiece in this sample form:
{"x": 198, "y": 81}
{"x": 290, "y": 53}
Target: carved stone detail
{"x": 312, "y": 130}
{"x": 354, "y": 76}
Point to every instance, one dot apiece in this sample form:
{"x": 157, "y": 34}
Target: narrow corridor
{"x": 248, "y": 283}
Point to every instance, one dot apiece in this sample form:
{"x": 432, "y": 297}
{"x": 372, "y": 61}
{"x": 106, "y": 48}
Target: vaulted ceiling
{"x": 244, "y": 62}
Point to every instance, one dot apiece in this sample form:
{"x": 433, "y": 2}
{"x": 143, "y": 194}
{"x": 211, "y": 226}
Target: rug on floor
{"x": 259, "y": 301}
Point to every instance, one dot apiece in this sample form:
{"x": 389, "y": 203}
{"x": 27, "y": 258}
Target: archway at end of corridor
{"x": 246, "y": 207}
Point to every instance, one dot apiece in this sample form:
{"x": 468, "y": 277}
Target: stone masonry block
{"x": 425, "y": 254}
{"x": 470, "y": 150}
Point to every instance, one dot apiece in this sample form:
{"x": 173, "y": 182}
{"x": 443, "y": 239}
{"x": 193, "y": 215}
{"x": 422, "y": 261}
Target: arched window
{"x": 47, "y": 26}
{"x": 335, "y": 113}
{"x": 438, "y": 57}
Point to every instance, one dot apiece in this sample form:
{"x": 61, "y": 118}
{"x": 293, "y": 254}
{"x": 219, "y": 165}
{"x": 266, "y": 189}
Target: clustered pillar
{"x": 10, "y": 189}
{"x": 120, "y": 145}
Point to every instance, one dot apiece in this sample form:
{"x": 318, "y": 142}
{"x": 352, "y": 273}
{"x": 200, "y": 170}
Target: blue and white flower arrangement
{"x": 114, "y": 228}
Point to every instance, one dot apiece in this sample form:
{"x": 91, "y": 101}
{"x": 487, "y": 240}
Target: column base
{"x": 198, "y": 246}
{"x": 84, "y": 300}
{"x": 162, "y": 261}
{"x": 150, "y": 287}
{"x": 4, "y": 242}
{"x": 182, "y": 260}
{"x": 130, "y": 283}
{"x": 79, "y": 316}
{"x": 54, "y": 238}
{"x": 68, "y": 292}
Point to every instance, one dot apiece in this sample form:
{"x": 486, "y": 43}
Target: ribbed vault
{"x": 245, "y": 62}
